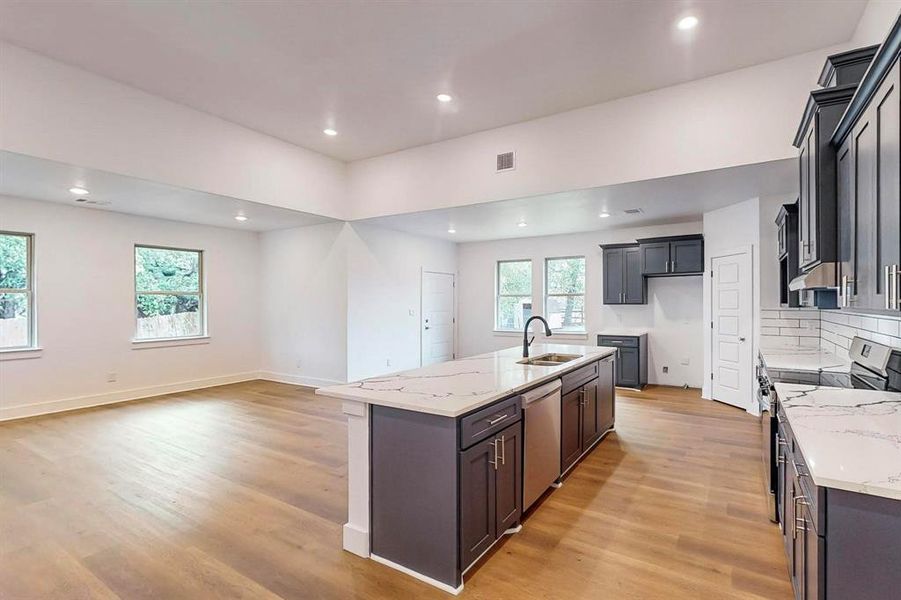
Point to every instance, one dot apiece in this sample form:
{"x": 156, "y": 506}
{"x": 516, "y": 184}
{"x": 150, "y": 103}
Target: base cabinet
{"x": 587, "y": 412}
{"x": 631, "y": 358}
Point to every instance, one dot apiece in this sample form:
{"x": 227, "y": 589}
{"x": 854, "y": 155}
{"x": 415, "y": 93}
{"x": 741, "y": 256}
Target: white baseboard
{"x": 424, "y": 578}
{"x": 298, "y": 379}
{"x": 55, "y": 406}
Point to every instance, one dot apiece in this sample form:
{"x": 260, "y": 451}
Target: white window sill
{"x": 168, "y": 343}
{"x": 20, "y": 353}
{"x": 566, "y": 335}
{"x": 569, "y": 335}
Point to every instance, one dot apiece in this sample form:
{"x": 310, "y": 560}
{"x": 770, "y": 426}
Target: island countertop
{"x": 850, "y": 438}
{"x": 457, "y": 387}
{"x": 802, "y": 358}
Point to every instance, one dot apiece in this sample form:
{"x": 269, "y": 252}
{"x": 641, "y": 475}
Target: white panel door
{"x": 437, "y": 317}
{"x": 731, "y": 310}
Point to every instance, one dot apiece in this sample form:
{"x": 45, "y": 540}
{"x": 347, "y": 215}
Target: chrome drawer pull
{"x": 498, "y": 420}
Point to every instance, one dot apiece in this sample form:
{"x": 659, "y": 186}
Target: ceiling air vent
{"x": 633, "y": 211}
{"x": 506, "y": 162}
{"x": 93, "y": 202}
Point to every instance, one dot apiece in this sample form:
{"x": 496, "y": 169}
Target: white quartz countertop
{"x": 850, "y": 439}
{"x": 457, "y": 387}
{"x": 808, "y": 360}
{"x": 623, "y": 332}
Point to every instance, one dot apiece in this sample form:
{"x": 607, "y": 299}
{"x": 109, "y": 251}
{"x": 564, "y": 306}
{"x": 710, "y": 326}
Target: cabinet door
{"x": 633, "y": 281}
{"x": 804, "y": 203}
{"x": 888, "y": 164}
{"x": 687, "y": 256}
{"x": 813, "y": 206}
{"x": 508, "y": 484}
{"x": 477, "y": 501}
{"x": 629, "y": 368}
{"x": 570, "y": 429}
{"x": 606, "y": 394}
{"x": 847, "y": 225}
{"x": 814, "y": 555}
{"x": 781, "y": 494}
{"x": 655, "y": 258}
{"x": 870, "y": 286}
{"x": 796, "y": 557}
{"x": 590, "y": 417}
{"x": 613, "y": 276}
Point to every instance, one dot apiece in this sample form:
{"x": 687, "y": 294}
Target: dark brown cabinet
{"x": 587, "y": 412}
{"x": 869, "y": 198}
{"x": 490, "y": 491}
{"x": 675, "y": 255}
{"x": 623, "y": 281}
{"x": 787, "y": 238}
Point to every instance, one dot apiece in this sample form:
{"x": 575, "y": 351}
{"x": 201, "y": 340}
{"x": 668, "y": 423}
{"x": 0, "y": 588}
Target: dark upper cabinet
{"x": 623, "y": 281}
{"x": 868, "y": 181}
{"x": 817, "y": 205}
{"x": 676, "y": 255}
{"x": 847, "y": 67}
{"x": 787, "y": 242}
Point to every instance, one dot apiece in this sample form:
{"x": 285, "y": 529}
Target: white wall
{"x": 732, "y": 227}
{"x": 303, "y": 274}
{"x": 741, "y": 117}
{"x": 875, "y": 22}
{"x": 84, "y": 280}
{"x": 672, "y": 315}
{"x": 384, "y": 288}
{"x": 62, "y": 113}
{"x": 339, "y": 300}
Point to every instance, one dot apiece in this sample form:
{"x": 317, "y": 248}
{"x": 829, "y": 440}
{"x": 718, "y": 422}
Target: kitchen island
{"x": 435, "y": 454}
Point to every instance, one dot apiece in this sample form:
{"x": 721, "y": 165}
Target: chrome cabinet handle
{"x": 672, "y": 266}
{"x": 887, "y": 283}
{"x": 800, "y": 525}
{"x": 503, "y": 450}
{"x": 494, "y": 446}
{"x": 894, "y": 287}
{"x": 780, "y": 460}
{"x": 498, "y": 420}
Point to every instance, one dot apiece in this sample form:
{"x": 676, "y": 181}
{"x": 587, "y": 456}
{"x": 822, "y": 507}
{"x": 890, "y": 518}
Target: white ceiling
{"x": 682, "y": 198}
{"x": 39, "y": 179}
{"x": 371, "y": 70}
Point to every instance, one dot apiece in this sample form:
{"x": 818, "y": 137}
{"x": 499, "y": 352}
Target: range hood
{"x": 820, "y": 277}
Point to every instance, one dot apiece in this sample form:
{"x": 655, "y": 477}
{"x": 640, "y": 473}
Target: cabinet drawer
{"x": 617, "y": 340}
{"x": 579, "y": 377}
{"x": 487, "y": 421}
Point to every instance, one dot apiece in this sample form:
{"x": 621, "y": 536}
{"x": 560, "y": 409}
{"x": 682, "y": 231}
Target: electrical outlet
{"x": 666, "y": 369}
{"x": 112, "y": 377}
{"x": 685, "y": 362}
{"x": 387, "y": 362}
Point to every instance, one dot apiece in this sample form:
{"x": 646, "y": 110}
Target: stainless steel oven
{"x": 768, "y": 429}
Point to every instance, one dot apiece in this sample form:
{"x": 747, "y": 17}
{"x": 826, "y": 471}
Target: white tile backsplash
{"x": 831, "y": 330}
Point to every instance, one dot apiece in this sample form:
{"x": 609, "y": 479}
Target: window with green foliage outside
{"x": 564, "y": 300}
{"x": 16, "y": 291}
{"x": 168, "y": 293}
{"x": 513, "y": 298}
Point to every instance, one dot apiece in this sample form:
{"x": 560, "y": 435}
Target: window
{"x": 16, "y": 291}
{"x": 514, "y": 294}
{"x": 168, "y": 293}
{"x": 564, "y": 299}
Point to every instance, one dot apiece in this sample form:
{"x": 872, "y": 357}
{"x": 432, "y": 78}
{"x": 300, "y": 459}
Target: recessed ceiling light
{"x": 451, "y": 230}
{"x": 241, "y": 218}
{"x": 444, "y": 97}
{"x": 604, "y": 215}
{"x": 79, "y": 191}
{"x": 689, "y": 22}
{"x": 331, "y": 132}
{"x": 522, "y": 224}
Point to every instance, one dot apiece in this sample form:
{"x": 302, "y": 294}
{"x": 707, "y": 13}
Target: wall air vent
{"x": 506, "y": 161}
{"x": 93, "y": 202}
{"x": 633, "y": 211}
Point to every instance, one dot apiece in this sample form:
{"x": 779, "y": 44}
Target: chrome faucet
{"x": 526, "y": 342}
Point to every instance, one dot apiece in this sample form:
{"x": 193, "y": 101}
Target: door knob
{"x": 741, "y": 339}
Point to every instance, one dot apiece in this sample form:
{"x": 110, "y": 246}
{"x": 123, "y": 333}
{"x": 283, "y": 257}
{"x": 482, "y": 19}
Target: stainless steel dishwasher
{"x": 541, "y": 458}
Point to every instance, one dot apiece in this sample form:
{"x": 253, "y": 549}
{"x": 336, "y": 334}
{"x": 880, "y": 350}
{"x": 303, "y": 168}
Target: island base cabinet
{"x": 490, "y": 492}
{"x": 587, "y": 412}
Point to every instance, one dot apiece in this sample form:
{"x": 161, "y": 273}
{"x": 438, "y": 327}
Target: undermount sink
{"x": 549, "y": 360}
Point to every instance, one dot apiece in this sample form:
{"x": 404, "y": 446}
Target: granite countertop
{"x": 456, "y": 387}
{"x": 623, "y": 331}
{"x": 850, "y": 438}
{"x": 804, "y": 359}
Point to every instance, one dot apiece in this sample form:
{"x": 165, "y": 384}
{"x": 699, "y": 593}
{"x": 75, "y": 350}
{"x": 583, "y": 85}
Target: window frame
{"x": 548, "y": 295}
{"x": 28, "y": 290}
{"x": 497, "y": 289}
{"x": 200, "y": 293}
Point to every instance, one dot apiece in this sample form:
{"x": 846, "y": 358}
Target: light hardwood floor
{"x": 239, "y": 492}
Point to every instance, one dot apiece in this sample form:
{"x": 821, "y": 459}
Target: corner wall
{"x": 84, "y": 283}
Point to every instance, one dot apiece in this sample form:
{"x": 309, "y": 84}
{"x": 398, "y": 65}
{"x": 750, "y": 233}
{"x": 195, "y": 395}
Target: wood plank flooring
{"x": 239, "y": 492}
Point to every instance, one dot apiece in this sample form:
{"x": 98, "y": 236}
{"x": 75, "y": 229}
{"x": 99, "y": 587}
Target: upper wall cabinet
{"x": 787, "y": 237}
{"x": 675, "y": 255}
{"x": 869, "y": 186}
{"x": 623, "y": 282}
{"x": 847, "y": 67}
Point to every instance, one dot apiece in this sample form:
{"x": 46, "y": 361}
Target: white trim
{"x": 298, "y": 379}
{"x": 55, "y": 406}
{"x": 424, "y": 578}
{"x": 20, "y": 353}
{"x": 507, "y": 333}
{"x": 566, "y": 335}
{"x": 194, "y": 340}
